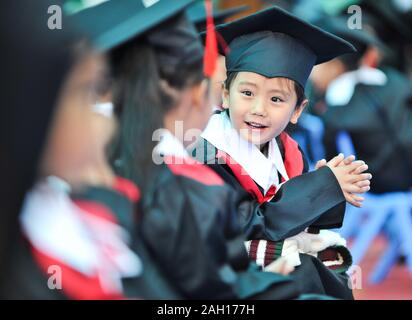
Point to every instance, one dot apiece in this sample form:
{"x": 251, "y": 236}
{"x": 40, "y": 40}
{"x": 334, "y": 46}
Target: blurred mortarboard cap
{"x": 163, "y": 24}
{"x": 389, "y": 15}
{"x": 360, "y": 38}
{"x": 114, "y": 22}
{"x": 275, "y": 43}
{"x": 337, "y": 6}
{"x": 197, "y": 14}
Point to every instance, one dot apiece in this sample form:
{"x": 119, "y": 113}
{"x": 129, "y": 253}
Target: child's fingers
{"x": 358, "y": 198}
{"x": 276, "y": 266}
{"x": 320, "y": 164}
{"x": 353, "y": 188}
{"x": 363, "y": 183}
{"x": 353, "y": 178}
{"x": 288, "y": 269}
{"x": 348, "y": 160}
{"x": 359, "y": 177}
{"x": 281, "y": 265}
{"x": 354, "y": 200}
{"x": 361, "y": 169}
{"x": 354, "y": 165}
{"x": 336, "y": 160}
{"x": 356, "y": 204}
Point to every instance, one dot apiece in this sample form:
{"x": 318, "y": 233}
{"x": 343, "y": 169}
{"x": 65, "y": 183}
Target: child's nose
{"x": 258, "y": 108}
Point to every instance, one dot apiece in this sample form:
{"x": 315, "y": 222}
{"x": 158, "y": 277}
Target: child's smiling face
{"x": 260, "y": 108}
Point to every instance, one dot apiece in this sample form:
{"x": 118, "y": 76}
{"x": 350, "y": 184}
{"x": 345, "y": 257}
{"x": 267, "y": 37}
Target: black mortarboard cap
{"x": 387, "y": 16}
{"x": 115, "y": 22}
{"x": 197, "y": 14}
{"x": 163, "y": 23}
{"x": 358, "y": 37}
{"x": 275, "y": 43}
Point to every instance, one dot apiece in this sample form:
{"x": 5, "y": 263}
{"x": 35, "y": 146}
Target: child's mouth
{"x": 255, "y": 125}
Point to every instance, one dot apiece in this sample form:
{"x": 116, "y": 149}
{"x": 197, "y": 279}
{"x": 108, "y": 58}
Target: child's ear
{"x": 298, "y": 111}
{"x": 225, "y": 98}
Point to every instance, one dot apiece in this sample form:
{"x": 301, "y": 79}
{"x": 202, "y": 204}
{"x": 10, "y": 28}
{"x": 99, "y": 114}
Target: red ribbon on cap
{"x": 211, "y": 53}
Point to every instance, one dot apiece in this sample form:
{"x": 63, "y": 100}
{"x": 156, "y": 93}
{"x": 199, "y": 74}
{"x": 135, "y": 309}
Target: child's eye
{"x": 247, "y": 93}
{"x": 276, "y": 99}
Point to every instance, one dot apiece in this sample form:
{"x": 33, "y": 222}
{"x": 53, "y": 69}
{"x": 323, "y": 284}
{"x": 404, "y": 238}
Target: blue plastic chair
{"x": 389, "y": 213}
{"x": 399, "y": 234}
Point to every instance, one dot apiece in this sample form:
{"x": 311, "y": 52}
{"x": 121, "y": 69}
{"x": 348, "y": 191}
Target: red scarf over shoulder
{"x": 293, "y": 164}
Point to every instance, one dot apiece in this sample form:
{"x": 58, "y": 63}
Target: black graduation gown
{"x": 151, "y": 283}
{"x": 320, "y": 203}
{"x": 190, "y": 227}
{"x": 317, "y": 195}
{"x": 25, "y": 279}
{"x": 27, "y": 267}
{"x": 373, "y": 141}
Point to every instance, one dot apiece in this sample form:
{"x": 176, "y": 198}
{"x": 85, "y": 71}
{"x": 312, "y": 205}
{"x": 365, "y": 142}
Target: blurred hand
{"x": 310, "y": 243}
{"x": 281, "y": 266}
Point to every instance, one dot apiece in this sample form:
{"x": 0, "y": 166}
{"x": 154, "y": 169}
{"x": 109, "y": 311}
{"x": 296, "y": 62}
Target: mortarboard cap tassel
{"x": 211, "y": 53}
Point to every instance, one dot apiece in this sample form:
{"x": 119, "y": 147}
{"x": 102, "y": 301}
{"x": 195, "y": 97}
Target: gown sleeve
{"x": 313, "y": 199}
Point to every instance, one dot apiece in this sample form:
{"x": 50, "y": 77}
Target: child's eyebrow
{"x": 283, "y": 92}
{"x": 247, "y": 83}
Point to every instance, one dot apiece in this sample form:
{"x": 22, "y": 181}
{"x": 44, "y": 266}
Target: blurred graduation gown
{"x": 74, "y": 246}
{"x": 375, "y": 107}
{"x": 378, "y": 118}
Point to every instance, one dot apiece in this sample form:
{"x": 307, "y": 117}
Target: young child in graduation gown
{"x": 270, "y": 57}
{"x": 76, "y": 222}
{"x": 189, "y": 220}
{"x": 74, "y": 243}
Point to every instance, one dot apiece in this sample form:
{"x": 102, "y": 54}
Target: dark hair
{"x": 299, "y": 90}
{"x": 143, "y": 93}
{"x": 300, "y": 93}
{"x": 351, "y": 61}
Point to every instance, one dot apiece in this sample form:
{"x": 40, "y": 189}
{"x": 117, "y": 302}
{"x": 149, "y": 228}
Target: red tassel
{"x": 211, "y": 53}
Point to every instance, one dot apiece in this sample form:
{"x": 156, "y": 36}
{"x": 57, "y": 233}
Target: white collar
{"x": 341, "y": 90}
{"x": 263, "y": 170}
{"x": 169, "y": 145}
{"x": 56, "y": 226}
